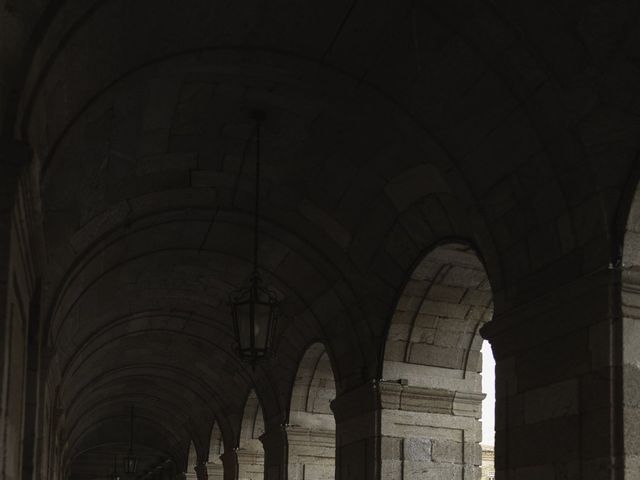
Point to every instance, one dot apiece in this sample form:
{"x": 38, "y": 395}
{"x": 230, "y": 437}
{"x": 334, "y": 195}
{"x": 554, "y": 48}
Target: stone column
{"x": 274, "y": 441}
{"x": 357, "y": 414}
{"x": 201, "y": 470}
{"x": 230, "y": 464}
{"x": 558, "y": 381}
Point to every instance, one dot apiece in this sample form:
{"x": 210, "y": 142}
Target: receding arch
{"x": 431, "y": 389}
{"x": 312, "y": 427}
{"x": 215, "y": 468}
{"x": 192, "y": 461}
{"x": 250, "y": 450}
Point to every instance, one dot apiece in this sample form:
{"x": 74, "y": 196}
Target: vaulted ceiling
{"x": 389, "y": 127}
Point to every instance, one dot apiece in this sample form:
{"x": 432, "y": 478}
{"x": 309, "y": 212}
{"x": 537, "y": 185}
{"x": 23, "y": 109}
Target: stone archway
{"x": 312, "y": 428}
{"x": 192, "y": 462}
{"x": 431, "y": 389}
{"x": 215, "y": 469}
{"x": 250, "y": 450}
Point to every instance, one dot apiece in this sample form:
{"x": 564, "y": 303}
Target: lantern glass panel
{"x": 261, "y": 327}
{"x": 130, "y": 464}
{"x": 243, "y": 319}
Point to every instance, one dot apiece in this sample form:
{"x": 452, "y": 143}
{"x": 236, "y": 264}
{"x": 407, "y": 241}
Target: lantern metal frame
{"x": 255, "y": 294}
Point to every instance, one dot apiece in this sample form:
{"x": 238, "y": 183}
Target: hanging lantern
{"x": 130, "y": 461}
{"x": 254, "y": 307}
{"x": 255, "y": 310}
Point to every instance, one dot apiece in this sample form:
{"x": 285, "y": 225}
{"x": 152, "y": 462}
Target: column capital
{"x": 561, "y": 311}
{"x": 357, "y": 401}
{"x": 274, "y": 435}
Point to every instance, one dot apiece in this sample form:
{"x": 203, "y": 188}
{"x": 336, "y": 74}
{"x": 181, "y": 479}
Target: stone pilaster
{"x": 202, "y": 473}
{"x": 558, "y": 383}
{"x": 274, "y": 441}
{"x": 357, "y": 414}
{"x": 230, "y": 464}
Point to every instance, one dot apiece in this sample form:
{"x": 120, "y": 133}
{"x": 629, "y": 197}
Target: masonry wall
{"x": 558, "y": 383}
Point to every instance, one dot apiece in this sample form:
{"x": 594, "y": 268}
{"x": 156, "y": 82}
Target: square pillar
{"x": 558, "y": 382}
{"x": 274, "y": 441}
{"x": 202, "y": 472}
{"x": 230, "y": 464}
{"x": 357, "y": 414}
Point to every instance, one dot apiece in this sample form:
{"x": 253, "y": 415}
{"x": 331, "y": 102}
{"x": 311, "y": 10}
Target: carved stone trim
{"x": 394, "y": 396}
{"x": 308, "y": 436}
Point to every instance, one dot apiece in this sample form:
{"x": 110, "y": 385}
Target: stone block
{"x": 318, "y": 472}
{"x": 444, "y": 309}
{"x": 417, "y": 449}
{"x": 447, "y": 451}
{"x": 557, "y": 400}
{"x": 472, "y": 453}
{"x": 390, "y": 448}
{"x": 432, "y": 471}
{"x": 436, "y": 356}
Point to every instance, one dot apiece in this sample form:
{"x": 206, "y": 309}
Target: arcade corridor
{"x": 405, "y": 179}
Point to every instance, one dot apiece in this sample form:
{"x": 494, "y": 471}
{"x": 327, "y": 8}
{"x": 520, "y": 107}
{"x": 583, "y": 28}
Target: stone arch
{"x": 312, "y": 427}
{"x": 215, "y": 468}
{"x": 431, "y": 389}
{"x": 250, "y": 450}
{"x": 192, "y": 461}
